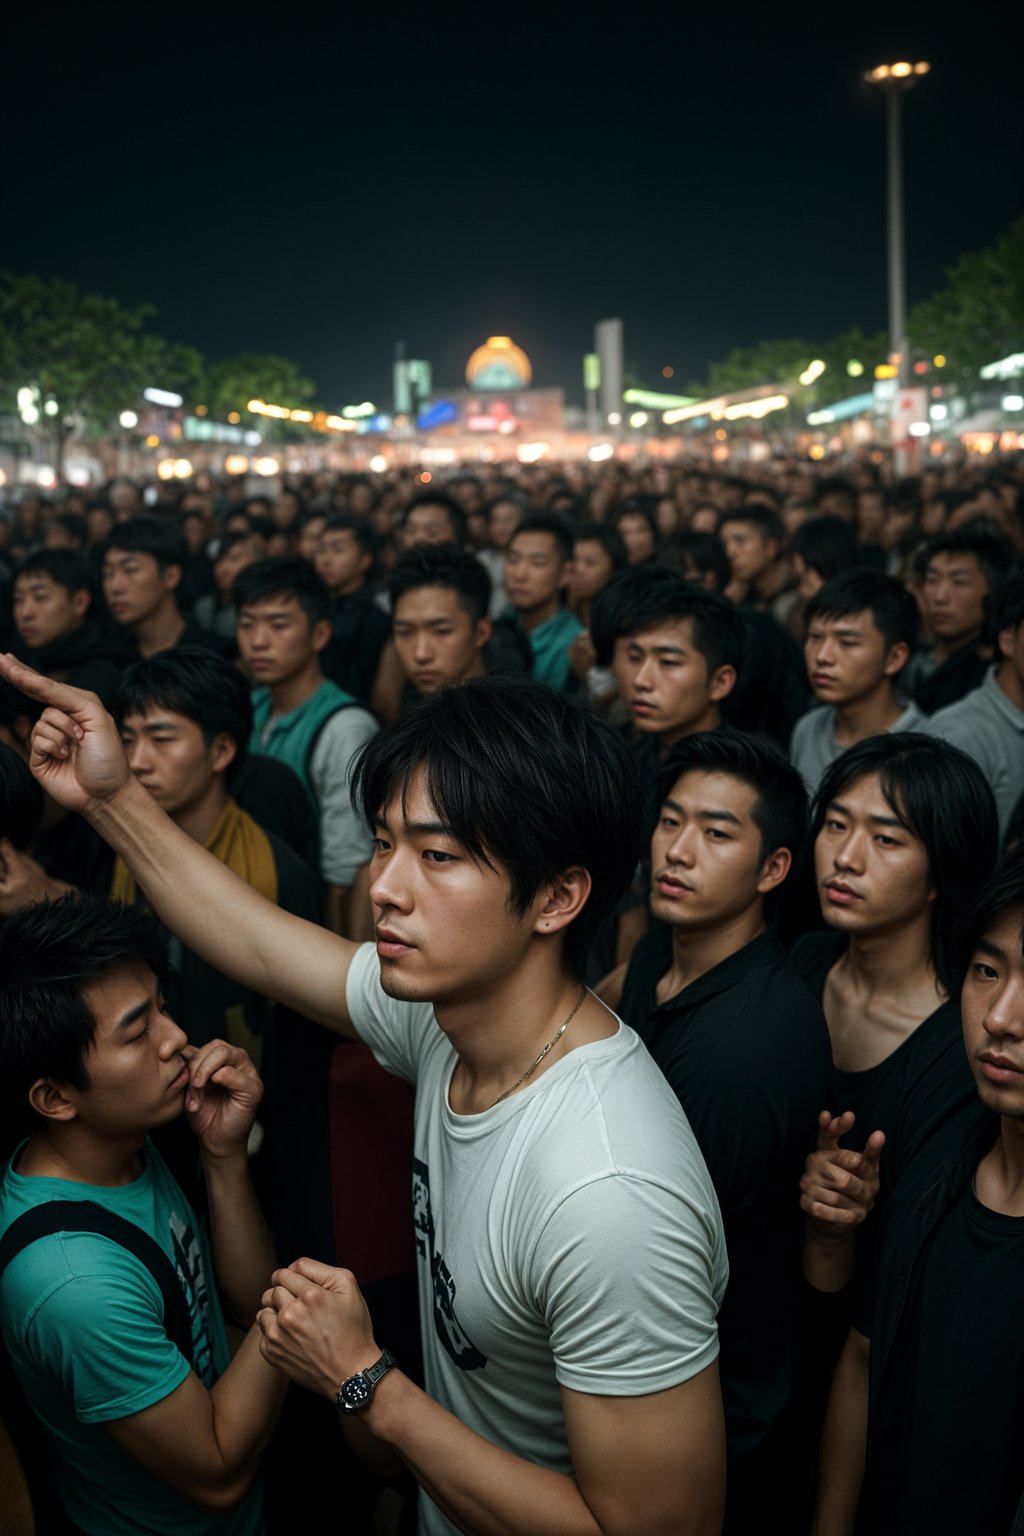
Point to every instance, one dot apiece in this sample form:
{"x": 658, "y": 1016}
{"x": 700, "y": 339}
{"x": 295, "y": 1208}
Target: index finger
{"x": 45, "y": 689}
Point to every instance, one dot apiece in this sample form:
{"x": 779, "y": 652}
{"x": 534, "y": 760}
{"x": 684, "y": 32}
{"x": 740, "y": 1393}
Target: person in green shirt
{"x": 146, "y": 1441}
{"x": 536, "y": 577}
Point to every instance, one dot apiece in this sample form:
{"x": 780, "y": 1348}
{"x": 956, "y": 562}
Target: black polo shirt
{"x": 747, "y": 1050}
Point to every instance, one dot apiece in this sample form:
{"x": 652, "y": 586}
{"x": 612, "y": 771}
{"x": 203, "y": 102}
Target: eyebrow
{"x": 706, "y": 815}
{"x": 879, "y": 821}
{"x": 419, "y": 828}
{"x": 661, "y": 650}
{"x": 133, "y": 1016}
{"x": 990, "y": 947}
{"x": 154, "y": 725}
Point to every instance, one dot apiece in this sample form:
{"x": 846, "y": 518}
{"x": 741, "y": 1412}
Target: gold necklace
{"x": 553, "y": 1041}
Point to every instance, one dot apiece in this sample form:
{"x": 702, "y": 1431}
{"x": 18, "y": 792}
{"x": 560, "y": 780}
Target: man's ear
{"x": 563, "y": 901}
{"x": 483, "y": 632}
{"x": 48, "y": 1099}
{"x": 171, "y": 577}
{"x": 774, "y": 870}
{"x": 321, "y": 635}
{"x": 223, "y": 751}
{"x": 897, "y": 658}
{"x": 723, "y": 681}
{"x": 81, "y": 601}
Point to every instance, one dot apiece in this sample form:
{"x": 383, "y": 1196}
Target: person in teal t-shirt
{"x": 536, "y": 576}
{"x": 145, "y": 1442}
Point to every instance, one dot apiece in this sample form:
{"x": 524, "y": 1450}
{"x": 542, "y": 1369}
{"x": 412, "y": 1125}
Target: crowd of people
{"x": 535, "y": 961}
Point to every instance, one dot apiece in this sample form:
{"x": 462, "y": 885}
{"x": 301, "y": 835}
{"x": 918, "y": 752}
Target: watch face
{"x": 356, "y": 1392}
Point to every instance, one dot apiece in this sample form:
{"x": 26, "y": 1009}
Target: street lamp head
{"x": 901, "y": 72}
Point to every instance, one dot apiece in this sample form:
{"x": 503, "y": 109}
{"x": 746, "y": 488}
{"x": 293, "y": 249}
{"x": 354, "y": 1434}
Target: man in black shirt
{"x": 53, "y": 615}
{"x": 925, "y": 1426}
{"x": 745, "y": 1047}
{"x": 959, "y": 569}
{"x": 346, "y": 559}
{"x": 143, "y": 563}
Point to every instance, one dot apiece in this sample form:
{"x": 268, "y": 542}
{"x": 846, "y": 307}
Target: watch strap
{"x": 373, "y": 1373}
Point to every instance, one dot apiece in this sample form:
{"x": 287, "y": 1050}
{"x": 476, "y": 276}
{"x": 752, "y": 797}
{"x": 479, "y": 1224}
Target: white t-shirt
{"x": 569, "y": 1236}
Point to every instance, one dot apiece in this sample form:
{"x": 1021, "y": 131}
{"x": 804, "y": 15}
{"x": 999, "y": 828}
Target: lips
{"x": 670, "y": 885}
{"x": 840, "y": 893}
{"x": 391, "y": 946}
{"x": 1000, "y": 1069}
{"x": 181, "y": 1081}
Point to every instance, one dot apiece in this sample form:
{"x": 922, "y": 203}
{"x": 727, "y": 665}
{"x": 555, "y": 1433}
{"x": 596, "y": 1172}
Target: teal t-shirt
{"x": 550, "y": 644}
{"x": 82, "y": 1322}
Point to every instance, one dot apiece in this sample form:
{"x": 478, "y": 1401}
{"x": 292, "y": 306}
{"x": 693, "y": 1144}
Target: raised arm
{"x": 78, "y": 759}
{"x": 837, "y": 1194}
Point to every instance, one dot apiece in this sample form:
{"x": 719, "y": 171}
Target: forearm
{"x": 483, "y": 1490}
{"x": 828, "y": 1262}
{"x": 256, "y": 943}
{"x": 843, "y": 1445}
{"x": 245, "y": 1404}
{"x": 243, "y": 1251}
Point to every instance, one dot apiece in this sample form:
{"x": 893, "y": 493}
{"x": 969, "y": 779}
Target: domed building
{"x": 499, "y": 364}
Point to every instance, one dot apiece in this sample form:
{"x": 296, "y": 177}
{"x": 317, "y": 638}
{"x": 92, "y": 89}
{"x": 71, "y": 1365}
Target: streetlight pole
{"x": 895, "y": 79}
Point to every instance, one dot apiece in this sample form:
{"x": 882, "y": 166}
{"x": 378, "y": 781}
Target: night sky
{"x": 322, "y": 181}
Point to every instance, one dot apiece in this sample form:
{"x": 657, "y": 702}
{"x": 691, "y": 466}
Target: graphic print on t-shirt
{"x": 188, "y": 1260}
{"x": 449, "y": 1330}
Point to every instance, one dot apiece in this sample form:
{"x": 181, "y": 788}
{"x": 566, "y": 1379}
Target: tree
{"x": 231, "y": 384}
{"x": 770, "y": 362}
{"x": 979, "y": 316}
{"x": 88, "y": 354}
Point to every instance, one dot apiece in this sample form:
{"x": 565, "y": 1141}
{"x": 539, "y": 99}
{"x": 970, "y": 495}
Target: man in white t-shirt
{"x": 571, "y": 1258}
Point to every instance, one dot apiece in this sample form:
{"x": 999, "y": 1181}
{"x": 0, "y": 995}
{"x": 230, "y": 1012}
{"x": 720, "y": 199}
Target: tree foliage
{"x": 978, "y": 316}
{"x": 229, "y": 385}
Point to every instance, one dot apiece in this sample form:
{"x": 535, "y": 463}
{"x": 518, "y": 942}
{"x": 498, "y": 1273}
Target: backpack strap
{"x": 55, "y": 1216}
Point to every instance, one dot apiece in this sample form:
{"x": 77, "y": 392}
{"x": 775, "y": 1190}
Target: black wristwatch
{"x": 355, "y": 1393}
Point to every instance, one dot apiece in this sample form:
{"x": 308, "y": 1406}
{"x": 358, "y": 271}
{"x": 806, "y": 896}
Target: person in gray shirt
{"x": 989, "y": 723}
{"x": 861, "y": 629}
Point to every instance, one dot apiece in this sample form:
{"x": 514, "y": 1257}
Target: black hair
{"x": 780, "y": 811}
{"x": 702, "y": 552}
{"x": 1004, "y": 605}
{"x": 64, "y": 567}
{"x": 1002, "y": 891}
{"x": 230, "y": 540}
{"x": 610, "y": 540}
{"x": 525, "y": 777}
{"x": 635, "y": 507}
{"x": 148, "y": 535}
{"x": 562, "y": 532}
{"x": 644, "y": 598}
{"x": 511, "y": 496}
{"x": 836, "y": 485}
{"x": 192, "y": 681}
{"x": 454, "y": 508}
{"x": 286, "y": 576}
{"x": 894, "y": 612}
{"x": 21, "y": 800}
{"x": 73, "y": 524}
{"x": 766, "y": 520}
{"x": 305, "y": 517}
{"x": 443, "y": 565}
{"x": 944, "y": 799}
{"x": 366, "y": 534}
{"x": 827, "y": 545}
{"x": 49, "y": 953}
{"x": 978, "y": 538}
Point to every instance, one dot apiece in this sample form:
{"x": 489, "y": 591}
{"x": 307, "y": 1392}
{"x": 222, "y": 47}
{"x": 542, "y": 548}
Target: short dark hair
{"x": 73, "y": 524}
{"x": 703, "y": 551}
{"x": 894, "y": 612}
{"x": 978, "y": 538}
{"x": 148, "y": 535}
{"x": 633, "y": 506}
{"x": 765, "y": 519}
{"x": 284, "y": 576}
{"x": 523, "y": 775}
{"x": 1004, "y": 605}
{"x": 21, "y": 800}
{"x": 827, "y": 545}
{"x": 194, "y": 682}
{"x": 610, "y": 540}
{"x": 443, "y": 565}
{"x": 1002, "y": 891}
{"x": 305, "y": 517}
{"x": 366, "y": 534}
{"x": 780, "y": 811}
{"x": 63, "y": 566}
{"x": 943, "y": 797}
{"x": 510, "y": 496}
{"x": 49, "y": 953}
{"x": 230, "y": 540}
{"x": 644, "y": 598}
{"x": 562, "y": 532}
{"x": 431, "y": 498}
{"x": 836, "y": 485}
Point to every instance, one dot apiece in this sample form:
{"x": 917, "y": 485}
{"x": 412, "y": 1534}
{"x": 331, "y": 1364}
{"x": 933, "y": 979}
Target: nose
{"x": 138, "y": 756}
{"x": 643, "y": 678}
{"x": 389, "y": 886}
{"x": 422, "y": 648}
{"x": 174, "y": 1040}
{"x": 680, "y": 849}
{"x": 849, "y": 852}
{"x": 1005, "y": 1016}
